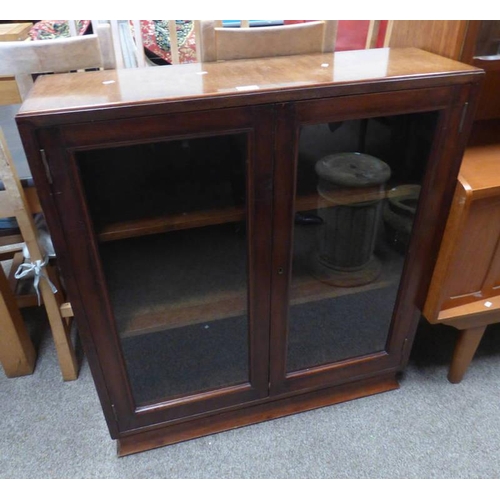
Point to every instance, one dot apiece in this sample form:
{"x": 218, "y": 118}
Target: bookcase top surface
{"x": 257, "y": 80}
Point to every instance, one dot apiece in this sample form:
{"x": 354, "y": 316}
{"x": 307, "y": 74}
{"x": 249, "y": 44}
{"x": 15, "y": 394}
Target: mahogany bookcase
{"x": 186, "y": 215}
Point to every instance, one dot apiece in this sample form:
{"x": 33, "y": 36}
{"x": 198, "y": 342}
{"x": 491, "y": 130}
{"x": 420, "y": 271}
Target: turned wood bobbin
{"x": 352, "y": 186}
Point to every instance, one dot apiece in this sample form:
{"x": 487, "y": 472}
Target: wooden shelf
{"x": 348, "y": 197}
{"x": 179, "y": 299}
{"x": 222, "y": 305}
{"x": 189, "y": 312}
{"x": 162, "y": 224}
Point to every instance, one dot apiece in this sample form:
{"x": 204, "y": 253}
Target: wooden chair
{"x": 24, "y": 59}
{"x": 216, "y": 43}
{"x": 60, "y": 55}
{"x": 17, "y": 353}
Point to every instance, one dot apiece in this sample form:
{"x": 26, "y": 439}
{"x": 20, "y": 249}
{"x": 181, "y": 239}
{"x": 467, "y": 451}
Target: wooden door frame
{"x": 77, "y": 248}
{"x": 453, "y": 125}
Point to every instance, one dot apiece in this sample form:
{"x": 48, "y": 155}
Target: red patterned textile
{"x": 44, "y": 30}
{"x": 156, "y": 38}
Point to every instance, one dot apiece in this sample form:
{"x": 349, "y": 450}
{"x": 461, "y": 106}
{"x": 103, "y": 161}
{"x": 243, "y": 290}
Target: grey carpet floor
{"x": 428, "y": 428}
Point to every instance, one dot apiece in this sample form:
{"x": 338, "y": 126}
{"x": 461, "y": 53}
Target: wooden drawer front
{"x": 476, "y": 246}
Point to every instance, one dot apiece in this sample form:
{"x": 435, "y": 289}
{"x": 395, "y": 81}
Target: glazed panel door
{"x": 356, "y": 230}
{"x": 170, "y": 214}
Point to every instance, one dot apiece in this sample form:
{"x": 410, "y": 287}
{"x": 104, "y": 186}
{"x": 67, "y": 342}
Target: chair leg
{"x": 465, "y": 348}
{"x": 17, "y": 353}
{"x": 60, "y": 328}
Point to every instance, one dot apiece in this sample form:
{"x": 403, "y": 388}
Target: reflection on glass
{"x": 171, "y": 220}
{"x": 356, "y": 197}
{"x": 488, "y": 40}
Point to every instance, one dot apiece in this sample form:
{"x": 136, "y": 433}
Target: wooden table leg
{"x": 17, "y": 354}
{"x": 465, "y": 348}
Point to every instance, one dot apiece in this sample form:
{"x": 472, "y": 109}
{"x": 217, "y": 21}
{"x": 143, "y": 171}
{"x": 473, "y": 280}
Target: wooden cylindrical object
{"x": 352, "y": 184}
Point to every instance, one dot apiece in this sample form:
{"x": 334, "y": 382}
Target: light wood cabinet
{"x": 194, "y": 233}
{"x": 464, "y": 291}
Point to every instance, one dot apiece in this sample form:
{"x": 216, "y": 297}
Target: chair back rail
{"x": 216, "y": 42}
{"x": 59, "y": 55}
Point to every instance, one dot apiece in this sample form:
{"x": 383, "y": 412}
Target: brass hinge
{"x": 46, "y": 166}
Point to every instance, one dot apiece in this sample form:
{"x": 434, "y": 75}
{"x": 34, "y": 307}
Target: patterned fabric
{"x": 184, "y": 29}
{"x": 156, "y": 38}
{"x": 44, "y": 30}
{"x": 155, "y": 35}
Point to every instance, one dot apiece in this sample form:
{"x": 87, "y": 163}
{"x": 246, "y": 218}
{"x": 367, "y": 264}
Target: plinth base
{"x": 335, "y": 277}
{"x": 260, "y": 411}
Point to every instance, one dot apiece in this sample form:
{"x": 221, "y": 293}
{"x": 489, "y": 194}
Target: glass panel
{"x": 170, "y": 217}
{"x": 488, "y": 40}
{"x": 354, "y": 213}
